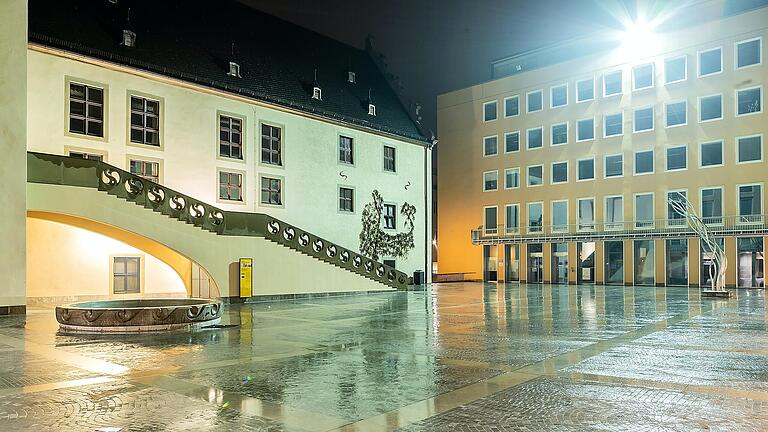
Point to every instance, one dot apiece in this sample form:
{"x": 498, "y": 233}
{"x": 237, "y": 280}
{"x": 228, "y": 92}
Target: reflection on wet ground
{"x": 457, "y": 357}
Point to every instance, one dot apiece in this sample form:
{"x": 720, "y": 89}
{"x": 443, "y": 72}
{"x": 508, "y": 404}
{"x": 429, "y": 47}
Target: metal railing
{"x": 655, "y": 228}
{"x": 62, "y": 170}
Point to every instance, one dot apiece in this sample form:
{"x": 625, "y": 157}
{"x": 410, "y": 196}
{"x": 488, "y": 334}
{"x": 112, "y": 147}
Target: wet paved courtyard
{"x": 459, "y": 357}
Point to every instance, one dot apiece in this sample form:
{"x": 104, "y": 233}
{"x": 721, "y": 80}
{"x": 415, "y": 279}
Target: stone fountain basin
{"x": 141, "y": 315}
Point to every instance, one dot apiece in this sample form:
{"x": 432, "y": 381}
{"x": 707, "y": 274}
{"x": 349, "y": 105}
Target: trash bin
{"x": 418, "y": 277}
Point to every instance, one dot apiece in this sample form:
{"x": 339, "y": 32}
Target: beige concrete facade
{"x": 463, "y": 158}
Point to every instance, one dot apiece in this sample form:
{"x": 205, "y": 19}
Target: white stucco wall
{"x": 189, "y": 154}
{"x": 13, "y": 167}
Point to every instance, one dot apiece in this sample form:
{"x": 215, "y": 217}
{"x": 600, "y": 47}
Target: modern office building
{"x": 212, "y": 113}
{"x": 560, "y": 169}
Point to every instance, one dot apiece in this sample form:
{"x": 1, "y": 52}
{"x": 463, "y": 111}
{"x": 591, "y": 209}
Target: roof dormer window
{"x": 351, "y": 77}
{"x": 129, "y": 38}
{"x": 234, "y": 70}
{"x": 371, "y": 109}
{"x": 317, "y": 93}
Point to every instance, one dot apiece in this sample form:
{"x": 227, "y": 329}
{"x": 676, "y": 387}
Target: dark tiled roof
{"x": 192, "y": 40}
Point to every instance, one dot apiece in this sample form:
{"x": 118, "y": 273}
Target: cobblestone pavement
{"x": 459, "y": 357}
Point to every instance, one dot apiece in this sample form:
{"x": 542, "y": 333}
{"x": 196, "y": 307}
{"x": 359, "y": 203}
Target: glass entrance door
{"x": 490, "y": 270}
{"x": 614, "y": 262}
{"x": 677, "y": 262}
{"x": 560, "y": 263}
{"x": 585, "y": 252}
{"x": 512, "y": 262}
{"x": 708, "y": 271}
{"x": 750, "y": 262}
{"x": 535, "y": 263}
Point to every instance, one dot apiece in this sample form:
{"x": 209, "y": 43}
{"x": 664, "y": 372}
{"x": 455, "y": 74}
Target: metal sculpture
{"x": 682, "y": 206}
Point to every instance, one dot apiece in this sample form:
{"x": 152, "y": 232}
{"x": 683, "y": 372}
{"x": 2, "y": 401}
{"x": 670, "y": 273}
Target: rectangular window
{"x": 643, "y": 119}
{"x": 511, "y": 142}
{"x": 490, "y": 181}
{"x": 586, "y": 213}
{"x": 84, "y": 155}
{"x": 559, "y": 134}
{"x": 585, "y": 129}
{"x": 146, "y": 169}
{"x": 490, "y": 220}
{"x": 559, "y": 172}
{"x": 511, "y": 178}
{"x": 535, "y": 101}
{"x": 676, "y": 113}
{"x": 644, "y": 210}
{"x": 749, "y": 101}
{"x": 230, "y": 186}
{"x": 749, "y": 149}
{"x": 491, "y": 145}
{"x": 126, "y": 275}
{"x": 614, "y": 165}
{"x": 612, "y": 83}
{"x": 748, "y": 53}
{"x": 271, "y": 145}
{"x": 710, "y": 108}
{"x": 711, "y": 154}
{"x": 558, "y": 96}
{"x": 750, "y": 202}
{"x": 585, "y": 90}
{"x": 677, "y": 158}
{"x": 644, "y": 162}
{"x": 535, "y": 175}
{"x": 586, "y": 169}
{"x": 535, "y": 138}
{"x": 346, "y": 199}
{"x": 512, "y": 106}
{"x": 614, "y": 212}
{"x": 535, "y": 217}
{"x": 489, "y": 111}
{"x": 145, "y": 121}
{"x": 271, "y": 191}
{"x": 346, "y": 150}
{"x": 712, "y": 205}
{"x": 613, "y": 125}
{"x": 230, "y": 137}
{"x": 673, "y": 217}
{"x": 512, "y": 221}
{"x": 642, "y": 76}
{"x": 710, "y": 62}
{"x": 675, "y": 69}
{"x": 86, "y": 110}
{"x": 390, "y": 216}
{"x": 390, "y": 160}
{"x": 559, "y": 216}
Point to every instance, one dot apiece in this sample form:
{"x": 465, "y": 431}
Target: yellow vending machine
{"x": 246, "y": 277}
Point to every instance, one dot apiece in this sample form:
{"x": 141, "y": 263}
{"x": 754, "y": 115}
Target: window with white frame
{"x": 644, "y": 210}
{"x": 271, "y": 145}
{"x": 673, "y": 217}
{"x": 710, "y": 108}
{"x": 559, "y": 134}
{"x": 613, "y": 125}
{"x": 643, "y": 120}
{"x": 612, "y": 83}
{"x": 712, "y": 205}
{"x": 710, "y": 62}
{"x": 86, "y": 155}
{"x": 642, "y": 76}
{"x": 586, "y": 213}
{"x": 489, "y": 111}
{"x": 711, "y": 154}
{"x": 749, "y": 101}
{"x": 644, "y": 162}
{"x": 271, "y": 191}
{"x": 511, "y": 142}
{"x": 585, "y": 90}
{"x": 346, "y": 150}
{"x": 145, "y": 121}
{"x": 535, "y": 175}
{"x": 149, "y": 170}
{"x": 512, "y": 217}
{"x": 535, "y": 101}
{"x": 535, "y": 138}
{"x": 585, "y": 129}
{"x": 389, "y": 213}
{"x": 676, "y": 113}
{"x": 346, "y": 199}
{"x": 749, "y": 149}
{"x": 126, "y": 275}
{"x": 585, "y": 169}
{"x": 230, "y": 137}
{"x": 490, "y": 181}
{"x": 558, "y": 96}
{"x": 86, "y": 109}
{"x": 748, "y": 53}
{"x": 512, "y": 106}
{"x": 559, "y": 172}
{"x": 490, "y": 145}
{"x": 675, "y": 69}
{"x": 560, "y": 216}
{"x": 677, "y": 158}
{"x": 614, "y": 212}
{"x": 490, "y": 219}
{"x": 750, "y": 202}
{"x": 535, "y": 216}
{"x": 230, "y": 186}
{"x": 511, "y": 178}
{"x": 614, "y": 165}
{"x": 390, "y": 159}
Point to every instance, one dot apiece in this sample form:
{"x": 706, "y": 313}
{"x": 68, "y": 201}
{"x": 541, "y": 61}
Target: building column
{"x": 599, "y": 262}
{"x": 546, "y": 250}
{"x": 13, "y": 147}
{"x": 661, "y": 261}
{"x": 629, "y": 262}
{"x": 523, "y": 267}
{"x": 694, "y": 262}
{"x": 733, "y": 264}
{"x": 573, "y": 263}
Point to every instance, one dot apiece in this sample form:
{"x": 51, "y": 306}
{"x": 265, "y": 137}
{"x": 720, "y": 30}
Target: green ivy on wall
{"x": 374, "y": 242}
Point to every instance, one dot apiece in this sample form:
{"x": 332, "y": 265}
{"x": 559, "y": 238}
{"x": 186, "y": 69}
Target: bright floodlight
{"x": 638, "y": 40}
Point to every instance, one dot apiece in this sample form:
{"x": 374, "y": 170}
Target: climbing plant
{"x": 374, "y": 242}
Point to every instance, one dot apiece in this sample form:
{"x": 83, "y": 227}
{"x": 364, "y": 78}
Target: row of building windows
{"x": 749, "y": 149}
{"x": 643, "y": 77}
{"x": 749, "y": 101}
{"x": 711, "y": 200}
{"x": 87, "y": 117}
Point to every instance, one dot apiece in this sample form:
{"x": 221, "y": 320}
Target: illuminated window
{"x": 126, "y": 275}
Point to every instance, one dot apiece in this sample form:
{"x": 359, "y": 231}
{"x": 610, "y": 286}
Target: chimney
{"x": 129, "y": 36}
